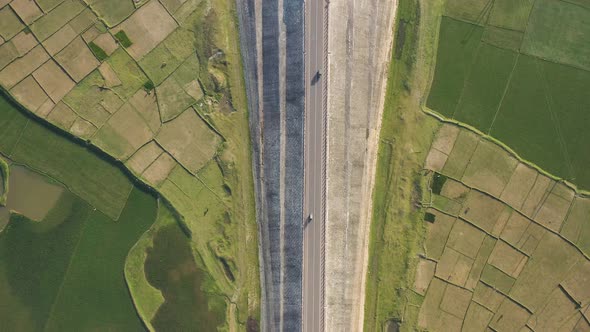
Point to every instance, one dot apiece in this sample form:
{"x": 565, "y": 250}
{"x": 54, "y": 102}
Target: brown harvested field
{"x": 522, "y": 180}
{"x": 555, "y": 314}
{"x": 110, "y": 77}
{"x": 29, "y": 94}
{"x": 146, "y": 155}
{"x": 502, "y": 221}
{"x": 189, "y": 140}
{"x": 429, "y": 311}
{"x": 83, "y": 128}
{"x": 91, "y": 33}
{"x": 455, "y": 301}
{"x": 77, "y": 59}
{"x": 445, "y": 138}
{"x": 453, "y": 267}
{"x": 111, "y": 102}
{"x": 62, "y": 116}
{"x": 553, "y": 211}
{"x": 8, "y": 53}
{"x": 507, "y": 259}
{"x": 547, "y": 267}
{"x": 53, "y": 80}
{"x": 44, "y": 110}
{"x": 531, "y": 238}
{"x": 577, "y": 281}
{"x": 577, "y": 223}
{"x": 477, "y": 318}
{"x": 437, "y": 234}
{"x": 147, "y": 106}
{"x": 480, "y": 261}
{"x": 536, "y": 195}
{"x": 509, "y": 317}
{"x": 59, "y": 40}
{"x": 124, "y": 133}
{"x": 106, "y": 42}
{"x": 10, "y": 24}
{"x": 487, "y": 296}
{"x": 142, "y": 31}
{"x": 482, "y": 210}
{"x": 455, "y": 190}
{"x": 27, "y": 10}
{"x": 21, "y": 68}
{"x": 424, "y": 274}
{"x": 159, "y": 170}
{"x": 435, "y": 160}
{"x": 465, "y": 238}
{"x": 490, "y": 168}
{"x": 515, "y": 229}
{"x": 24, "y": 42}
{"x": 172, "y": 99}
{"x": 460, "y": 156}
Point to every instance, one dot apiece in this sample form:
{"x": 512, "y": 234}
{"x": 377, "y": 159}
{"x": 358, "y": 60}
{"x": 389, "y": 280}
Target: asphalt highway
{"x": 314, "y": 138}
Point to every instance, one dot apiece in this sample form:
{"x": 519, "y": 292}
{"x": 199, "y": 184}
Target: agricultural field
{"x": 100, "y": 88}
{"x": 517, "y": 71}
{"x": 506, "y": 245}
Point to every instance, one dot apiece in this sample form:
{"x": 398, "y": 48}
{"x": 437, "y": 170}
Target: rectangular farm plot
{"x": 458, "y": 43}
{"x": 465, "y": 238}
{"x": 53, "y": 80}
{"x": 159, "y": 170}
{"x": 146, "y": 105}
{"x": 490, "y": 168}
{"x": 577, "y": 281}
{"x": 453, "y": 267}
{"x": 553, "y": 211}
{"x": 455, "y": 301}
{"x": 521, "y": 181}
{"x": 437, "y": 234}
{"x": 511, "y": 14}
{"x": 27, "y": 10}
{"x": 475, "y": 11}
{"x": 22, "y": 67}
{"x": 483, "y": 211}
{"x": 464, "y": 147}
{"x": 507, "y": 259}
{"x": 424, "y": 274}
{"x": 189, "y": 140}
{"x": 62, "y": 116}
{"x": 577, "y": 228}
{"x": 556, "y": 313}
{"x": 131, "y": 76}
{"x": 77, "y": 59}
{"x": 484, "y": 88}
{"x": 144, "y": 157}
{"x": 480, "y": 261}
{"x": 502, "y": 38}
{"x": 559, "y": 31}
{"x": 82, "y": 128}
{"x": 172, "y": 99}
{"x": 29, "y": 94}
{"x": 445, "y": 138}
{"x": 10, "y": 24}
{"x": 142, "y": 32}
{"x": 113, "y": 11}
{"x": 510, "y": 317}
{"x": 24, "y": 42}
{"x": 477, "y": 318}
{"x": 56, "y": 18}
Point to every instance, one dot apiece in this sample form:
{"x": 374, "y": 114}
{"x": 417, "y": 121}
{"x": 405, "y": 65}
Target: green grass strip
{"x": 99, "y": 53}
{"x": 123, "y": 39}
{"x": 4, "y": 174}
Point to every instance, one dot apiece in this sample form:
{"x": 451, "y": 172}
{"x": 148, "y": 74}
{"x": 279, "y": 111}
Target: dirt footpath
{"x": 360, "y": 37}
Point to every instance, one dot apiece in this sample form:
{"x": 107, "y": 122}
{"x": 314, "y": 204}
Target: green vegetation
{"x": 46, "y": 266}
{"x": 4, "y": 176}
{"x": 397, "y": 227}
{"x": 149, "y": 86}
{"x": 48, "y": 24}
{"x": 438, "y": 181}
{"x": 123, "y": 39}
{"x": 112, "y": 12}
{"x": 99, "y": 53}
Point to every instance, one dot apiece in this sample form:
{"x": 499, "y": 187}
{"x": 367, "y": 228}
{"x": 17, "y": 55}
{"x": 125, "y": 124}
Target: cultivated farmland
{"x": 501, "y": 250}
{"x": 518, "y": 70}
{"x": 165, "y": 101}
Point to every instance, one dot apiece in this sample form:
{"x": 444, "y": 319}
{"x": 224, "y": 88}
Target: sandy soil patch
{"x": 29, "y": 93}
{"x": 53, "y": 80}
{"x": 77, "y": 59}
{"x": 142, "y": 31}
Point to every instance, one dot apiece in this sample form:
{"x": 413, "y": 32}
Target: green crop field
{"x": 528, "y": 92}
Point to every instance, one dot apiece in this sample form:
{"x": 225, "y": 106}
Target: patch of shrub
{"x": 429, "y": 217}
{"x": 99, "y": 53}
{"x": 149, "y": 86}
{"x": 438, "y": 181}
{"x": 123, "y": 39}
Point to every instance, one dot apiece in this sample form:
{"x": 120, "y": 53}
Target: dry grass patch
{"x": 490, "y": 168}
{"x": 50, "y": 23}
{"x": 480, "y": 262}
{"x": 189, "y": 140}
{"x": 429, "y": 311}
{"x": 62, "y": 116}
{"x": 8, "y": 53}
{"x": 106, "y": 42}
{"x": 509, "y": 317}
{"x": 576, "y": 228}
{"x": 124, "y": 133}
{"x": 108, "y": 74}
{"x": 53, "y": 80}
{"x": 24, "y": 42}
{"x": 77, "y": 59}
{"x": 465, "y": 238}
{"x": 172, "y": 99}
{"x": 59, "y": 40}
{"x": 482, "y": 210}
{"x": 83, "y": 128}
{"x": 515, "y": 229}
{"x": 455, "y": 301}
{"x": 91, "y": 33}
{"x": 547, "y": 267}
{"x": 577, "y": 281}
{"x": 477, "y": 318}
{"x": 27, "y": 10}
{"x": 536, "y": 195}
{"x": 522, "y": 180}
{"x": 424, "y": 274}
{"x": 507, "y": 259}
{"x": 454, "y": 267}
{"x": 435, "y": 160}
{"x": 465, "y": 145}
{"x": 29, "y": 93}
{"x": 147, "y": 106}
{"x": 487, "y": 296}
{"x": 21, "y": 68}
{"x": 142, "y": 31}
{"x": 455, "y": 190}
{"x": 44, "y": 110}
{"x": 437, "y": 234}
{"x": 146, "y": 155}
{"x": 159, "y": 170}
